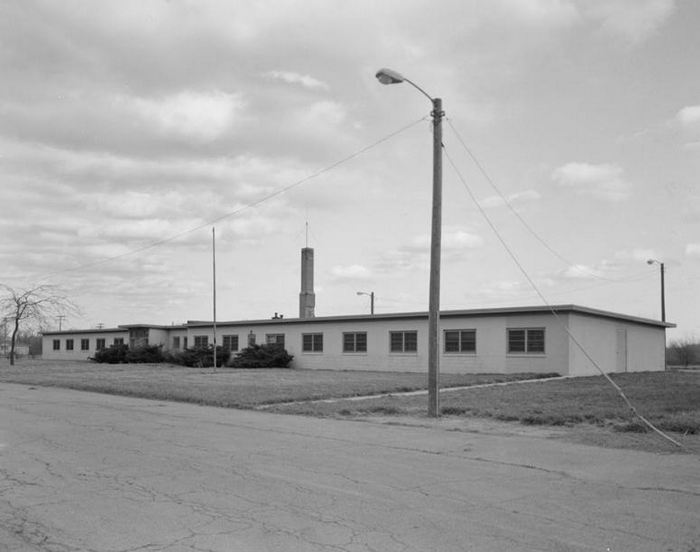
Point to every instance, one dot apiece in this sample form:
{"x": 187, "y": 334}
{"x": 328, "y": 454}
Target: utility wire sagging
{"x": 564, "y": 326}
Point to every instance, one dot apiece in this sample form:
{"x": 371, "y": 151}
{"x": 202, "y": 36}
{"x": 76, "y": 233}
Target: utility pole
{"x": 60, "y": 318}
{"x": 213, "y": 260}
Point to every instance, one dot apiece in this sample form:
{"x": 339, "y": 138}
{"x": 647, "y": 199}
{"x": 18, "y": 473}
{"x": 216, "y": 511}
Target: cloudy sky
{"x": 129, "y": 129}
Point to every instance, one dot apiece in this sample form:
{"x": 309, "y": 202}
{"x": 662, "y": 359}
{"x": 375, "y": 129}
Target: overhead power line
{"x": 564, "y": 326}
{"x": 235, "y": 212}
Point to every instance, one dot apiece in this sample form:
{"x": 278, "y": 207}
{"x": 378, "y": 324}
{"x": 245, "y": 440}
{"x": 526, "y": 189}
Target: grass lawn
{"x": 227, "y": 387}
{"x": 670, "y": 400}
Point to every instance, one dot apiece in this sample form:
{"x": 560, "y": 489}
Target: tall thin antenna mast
{"x": 307, "y": 233}
{"x": 213, "y": 259}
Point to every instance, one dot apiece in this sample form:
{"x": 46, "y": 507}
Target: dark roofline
{"x": 90, "y": 331}
{"x": 499, "y": 311}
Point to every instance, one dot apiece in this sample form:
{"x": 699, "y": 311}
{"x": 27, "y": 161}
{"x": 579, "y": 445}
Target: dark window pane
{"x": 516, "y": 341}
{"x": 411, "y": 341}
{"x": 451, "y": 341}
{"x": 535, "y": 341}
{"x": 361, "y": 342}
{"x": 396, "y": 342}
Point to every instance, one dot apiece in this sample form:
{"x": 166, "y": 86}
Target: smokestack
{"x": 307, "y": 298}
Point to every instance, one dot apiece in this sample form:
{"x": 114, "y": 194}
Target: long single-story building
{"x": 496, "y": 340}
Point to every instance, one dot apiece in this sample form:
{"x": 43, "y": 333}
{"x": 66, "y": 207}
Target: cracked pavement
{"x": 88, "y": 472}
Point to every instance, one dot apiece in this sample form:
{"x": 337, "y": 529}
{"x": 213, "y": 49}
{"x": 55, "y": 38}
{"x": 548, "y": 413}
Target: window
{"x": 403, "y": 342}
{"x": 184, "y": 342}
{"x": 201, "y": 341}
{"x": 176, "y": 342}
{"x": 355, "y": 342}
{"x": 312, "y": 343}
{"x": 56, "y": 344}
{"x": 230, "y": 343}
{"x": 119, "y": 341}
{"x": 526, "y": 340}
{"x": 275, "y": 338}
{"x": 69, "y": 344}
{"x": 100, "y": 343}
{"x": 84, "y": 344}
{"x": 460, "y": 341}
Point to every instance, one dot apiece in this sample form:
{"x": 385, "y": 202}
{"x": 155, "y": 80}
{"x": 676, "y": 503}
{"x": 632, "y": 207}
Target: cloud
{"x": 689, "y": 115}
{"x": 290, "y": 77}
{"x": 350, "y": 272}
{"x": 452, "y": 240}
{"x": 632, "y": 20}
{"x": 581, "y": 272}
{"x": 692, "y": 250}
{"x": 199, "y": 115}
{"x": 604, "y": 182}
{"x": 513, "y": 199}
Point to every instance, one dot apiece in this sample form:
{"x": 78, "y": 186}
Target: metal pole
{"x": 663, "y": 295}
{"x": 213, "y": 260}
{"x": 435, "y": 245}
{"x": 371, "y": 303}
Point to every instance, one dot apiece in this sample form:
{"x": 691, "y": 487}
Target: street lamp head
{"x": 650, "y": 261}
{"x": 388, "y": 76}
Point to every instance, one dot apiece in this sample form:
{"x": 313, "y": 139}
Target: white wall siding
{"x": 48, "y": 352}
{"x": 645, "y": 350}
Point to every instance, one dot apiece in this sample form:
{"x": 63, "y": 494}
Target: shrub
{"x": 145, "y": 353}
{"x": 115, "y": 354}
{"x": 200, "y": 357}
{"x": 271, "y": 355}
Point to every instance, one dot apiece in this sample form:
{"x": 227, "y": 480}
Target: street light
{"x": 663, "y": 292}
{"x": 371, "y": 299}
{"x": 388, "y": 76}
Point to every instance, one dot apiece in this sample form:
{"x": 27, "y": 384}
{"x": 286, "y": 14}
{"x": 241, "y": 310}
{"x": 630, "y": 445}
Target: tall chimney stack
{"x": 307, "y": 298}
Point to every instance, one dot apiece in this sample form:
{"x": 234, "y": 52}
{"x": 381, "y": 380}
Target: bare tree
{"x": 32, "y": 308}
{"x": 683, "y": 351}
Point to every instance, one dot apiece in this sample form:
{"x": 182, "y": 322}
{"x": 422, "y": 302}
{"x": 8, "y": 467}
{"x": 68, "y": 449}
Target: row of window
{"x": 520, "y": 340}
{"x": 100, "y": 343}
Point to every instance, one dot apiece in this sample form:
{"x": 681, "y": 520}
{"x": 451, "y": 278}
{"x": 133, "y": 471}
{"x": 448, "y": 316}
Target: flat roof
{"x": 499, "y": 311}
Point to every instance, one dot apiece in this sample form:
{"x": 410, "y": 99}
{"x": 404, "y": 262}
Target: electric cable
{"x": 235, "y": 212}
{"x": 564, "y": 326}
{"x": 508, "y": 204}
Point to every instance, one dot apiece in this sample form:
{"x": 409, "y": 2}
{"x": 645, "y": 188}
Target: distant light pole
{"x": 388, "y": 76}
{"x": 371, "y": 299}
{"x": 663, "y": 290}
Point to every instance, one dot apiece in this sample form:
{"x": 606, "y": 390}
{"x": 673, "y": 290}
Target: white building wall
{"x": 603, "y": 341}
{"x": 63, "y": 353}
{"x": 491, "y": 344}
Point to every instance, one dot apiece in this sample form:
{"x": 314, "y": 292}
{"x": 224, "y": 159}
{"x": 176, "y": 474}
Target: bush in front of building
{"x": 270, "y": 355}
{"x": 118, "y": 354}
{"x": 114, "y": 354}
{"x": 199, "y": 357}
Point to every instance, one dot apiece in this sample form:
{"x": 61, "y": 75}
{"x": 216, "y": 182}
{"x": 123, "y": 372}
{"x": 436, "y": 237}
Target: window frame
{"x": 198, "y": 341}
{"x": 315, "y": 343}
{"x": 274, "y": 339}
{"x": 355, "y": 346}
{"x": 232, "y": 339}
{"x": 404, "y": 334}
{"x": 460, "y": 341}
{"x": 70, "y": 345}
{"x": 84, "y": 344}
{"x": 100, "y": 343}
{"x": 56, "y": 344}
{"x": 118, "y": 341}
{"x": 530, "y": 343}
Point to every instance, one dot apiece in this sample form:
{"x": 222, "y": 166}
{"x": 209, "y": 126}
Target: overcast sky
{"x": 128, "y": 127}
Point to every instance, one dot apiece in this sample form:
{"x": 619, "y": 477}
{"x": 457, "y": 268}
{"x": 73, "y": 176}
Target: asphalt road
{"x": 82, "y": 471}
